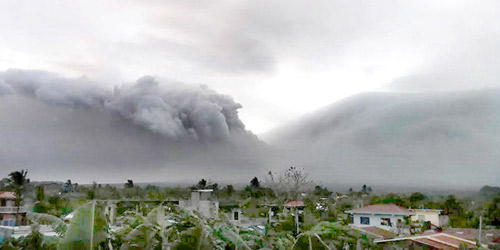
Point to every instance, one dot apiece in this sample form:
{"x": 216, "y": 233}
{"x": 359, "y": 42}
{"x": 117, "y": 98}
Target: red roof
{"x": 437, "y": 241}
{"x": 381, "y": 209}
{"x": 7, "y": 195}
{"x": 295, "y": 204}
{"x": 488, "y": 235}
{"x": 446, "y": 239}
{"x": 434, "y": 244}
{"x": 450, "y": 240}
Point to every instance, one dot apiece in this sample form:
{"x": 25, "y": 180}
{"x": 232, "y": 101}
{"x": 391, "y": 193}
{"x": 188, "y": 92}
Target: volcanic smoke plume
{"x": 173, "y": 110}
{"x": 75, "y": 128}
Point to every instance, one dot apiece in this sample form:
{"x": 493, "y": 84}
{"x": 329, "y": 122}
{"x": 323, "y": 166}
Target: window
{"x": 9, "y": 223}
{"x": 385, "y": 221}
{"x": 365, "y": 220}
{"x": 236, "y": 215}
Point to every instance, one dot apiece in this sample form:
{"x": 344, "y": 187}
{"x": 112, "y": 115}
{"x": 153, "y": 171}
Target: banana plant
{"x": 339, "y": 237}
{"x": 88, "y": 228}
{"x": 54, "y": 222}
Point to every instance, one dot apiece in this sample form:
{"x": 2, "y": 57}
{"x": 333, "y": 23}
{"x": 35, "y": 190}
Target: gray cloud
{"x": 174, "y": 110}
{"x": 235, "y": 46}
{"x": 472, "y": 67}
{"x": 51, "y": 88}
{"x": 63, "y": 128}
{"x": 5, "y": 89}
{"x": 72, "y": 128}
{"x": 387, "y": 139}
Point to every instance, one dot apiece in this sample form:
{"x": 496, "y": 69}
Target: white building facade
{"x": 204, "y": 201}
{"x": 435, "y": 216}
{"x": 384, "y": 216}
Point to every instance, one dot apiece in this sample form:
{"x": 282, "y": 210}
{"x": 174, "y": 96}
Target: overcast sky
{"x": 279, "y": 59}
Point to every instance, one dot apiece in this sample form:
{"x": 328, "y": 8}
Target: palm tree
{"x": 18, "y": 182}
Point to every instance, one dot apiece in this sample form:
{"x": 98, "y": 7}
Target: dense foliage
{"x": 147, "y": 216}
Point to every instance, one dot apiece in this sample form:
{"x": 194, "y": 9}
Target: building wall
{"x": 7, "y": 217}
{"x": 443, "y": 220}
{"x": 234, "y": 216}
{"x": 7, "y": 220}
{"x": 203, "y": 203}
{"x": 8, "y": 203}
{"x": 430, "y": 215}
{"x": 375, "y": 220}
{"x": 195, "y": 198}
{"x": 208, "y": 208}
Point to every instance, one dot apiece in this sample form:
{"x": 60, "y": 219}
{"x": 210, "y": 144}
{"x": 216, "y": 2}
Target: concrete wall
{"x": 203, "y": 202}
{"x": 375, "y": 220}
{"x": 195, "y": 198}
{"x": 9, "y": 203}
{"x": 232, "y": 218}
{"x": 434, "y": 216}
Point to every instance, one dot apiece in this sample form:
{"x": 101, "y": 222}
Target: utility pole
{"x": 297, "y": 220}
{"x": 92, "y": 225}
{"x": 480, "y": 228}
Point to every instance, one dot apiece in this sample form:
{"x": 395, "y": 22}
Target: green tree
{"x": 202, "y": 184}
{"x": 321, "y": 191}
{"x": 364, "y": 189}
{"x": 229, "y": 190}
{"x": 493, "y": 212}
{"x": 68, "y": 187}
{"x": 213, "y": 186}
{"x": 255, "y": 184}
{"x": 40, "y": 193}
{"x": 455, "y": 211}
{"x": 18, "y": 182}
{"x": 129, "y": 184}
{"x": 254, "y": 189}
{"x": 415, "y": 198}
{"x": 40, "y": 205}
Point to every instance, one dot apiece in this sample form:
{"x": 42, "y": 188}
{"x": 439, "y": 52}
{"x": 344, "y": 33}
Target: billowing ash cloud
{"x": 73, "y": 128}
{"x": 173, "y": 110}
{"x": 420, "y": 140}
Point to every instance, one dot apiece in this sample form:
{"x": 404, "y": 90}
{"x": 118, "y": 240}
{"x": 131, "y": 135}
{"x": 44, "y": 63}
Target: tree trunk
{"x": 18, "y": 205}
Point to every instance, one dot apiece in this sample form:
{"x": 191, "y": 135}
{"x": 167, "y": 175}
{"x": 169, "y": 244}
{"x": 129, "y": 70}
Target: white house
{"x": 435, "y": 216}
{"x": 204, "y": 201}
{"x": 385, "y": 216}
{"x": 8, "y": 210}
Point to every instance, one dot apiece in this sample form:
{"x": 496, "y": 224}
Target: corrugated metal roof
{"x": 381, "y": 209}
{"x": 438, "y": 240}
{"x": 434, "y": 244}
